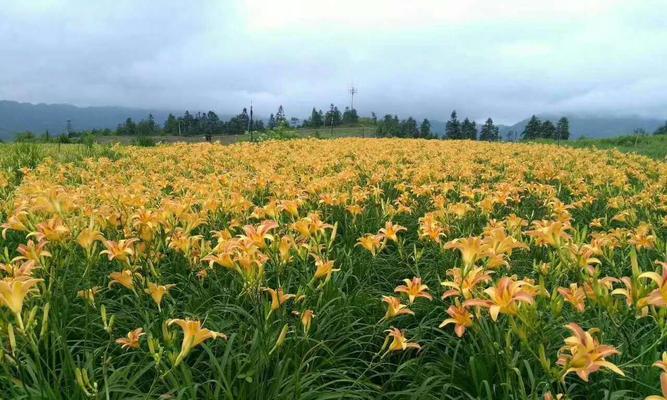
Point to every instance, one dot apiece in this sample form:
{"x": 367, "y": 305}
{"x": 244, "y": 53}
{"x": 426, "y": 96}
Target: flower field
{"x": 335, "y": 269}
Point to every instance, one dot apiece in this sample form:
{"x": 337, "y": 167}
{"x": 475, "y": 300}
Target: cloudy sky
{"x": 505, "y": 59}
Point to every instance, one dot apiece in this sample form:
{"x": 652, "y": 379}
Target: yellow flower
{"x": 193, "y": 336}
{"x": 398, "y": 341}
{"x": 14, "y": 290}
{"x": 390, "y": 231}
{"x": 324, "y": 269}
{"x": 460, "y": 317}
{"x": 464, "y": 283}
{"x": 505, "y": 297}
{"x": 132, "y": 339}
{"x": 278, "y": 298}
{"x": 472, "y": 249}
{"x": 157, "y": 292}
{"x": 658, "y": 297}
{"x": 370, "y": 242}
{"x": 124, "y": 278}
{"x": 413, "y": 289}
{"x": 88, "y": 236}
{"x": 121, "y": 250}
{"x": 395, "y": 307}
{"x": 575, "y": 296}
{"x": 306, "y": 319}
{"x": 583, "y": 354}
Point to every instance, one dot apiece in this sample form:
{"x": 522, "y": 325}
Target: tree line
{"x": 536, "y": 129}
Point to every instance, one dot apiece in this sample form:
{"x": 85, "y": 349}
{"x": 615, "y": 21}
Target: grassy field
{"x": 332, "y": 269}
{"x": 650, "y": 146}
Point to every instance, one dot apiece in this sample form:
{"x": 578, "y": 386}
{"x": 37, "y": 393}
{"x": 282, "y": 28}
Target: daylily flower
{"x": 124, "y": 278}
{"x": 472, "y": 249}
{"x": 132, "y": 339}
{"x": 193, "y": 336}
{"x": 658, "y": 297}
{"x": 583, "y": 354}
{"x": 13, "y": 292}
{"x": 260, "y": 234}
{"x": 278, "y": 298}
{"x": 306, "y": 319}
{"x": 324, "y": 269}
{"x": 505, "y": 297}
{"x": 398, "y": 341}
{"x": 370, "y": 242}
{"x": 574, "y": 295}
{"x": 88, "y": 236}
{"x": 413, "y": 289}
{"x": 465, "y": 285}
{"x": 157, "y": 292}
{"x": 33, "y": 252}
{"x": 460, "y": 317}
{"x": 390, "y": 231}
{"x": 121, "y": 250}
{"x": 395, "y": 307}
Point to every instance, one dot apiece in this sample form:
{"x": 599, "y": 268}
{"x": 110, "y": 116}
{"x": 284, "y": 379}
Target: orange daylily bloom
{"x": 395, "y": 307}
{"x": 157, "y": 292}
{"x": 306, "y": 319}
{"x": 465, "y": 285}
{"x": 583, "y": 354}
{"x": 460, "y": 317}
{"x": 88, "y": 236}
{"x": 370, "y": 242}
{"x": 575, "y": 295}
{"x": 324, "y": 269}
{"x": 505, "y": 297}
{"x": 413, "y": 289}
{"x": 124, "y": 278}
{"x": 398, "y": 341}
{"x": 278, "y": 298}
{"x": 121, "y": 250}
{"x": 391, "y": 230}
{"x": 472, "y": 249}
{"x": 14, "y": 290}
{"x": 193, "y": 336}
{"x": 132, "y": 339}
{"x": 658, "y": 297}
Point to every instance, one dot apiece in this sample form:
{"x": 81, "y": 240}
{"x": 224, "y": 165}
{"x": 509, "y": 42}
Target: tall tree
{"x": 280, "y": 116}
{"x": 350, "y": 116}
{"x": 453, "y": 127}
{"x": 469, "y": 130}
{"x": 548, "y": 130}
{"x": 425, "y": 129}
{"x": 409, "y": 128}
{"x": 533, "y": 129}
{"x": 489, "y": 131}
{"x": 171, "y": 125}
{"x": 315, "y": 120}
{"x": 563, "y": 129}
{"x": 272, "y": 122}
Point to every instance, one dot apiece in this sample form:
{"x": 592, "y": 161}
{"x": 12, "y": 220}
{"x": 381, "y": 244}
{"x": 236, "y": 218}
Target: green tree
{"x": 453, "y": 127}
{"x": 350, "y": 117}
{"x": 409, "y": 128}
{"x": 280, "y": 116}
{"x": 563, "y": 129}
{"x": 533, "y": 129}
{"x": 272, "y": 122}
{"x": 548, "y": 130}
{"x": 170, "y": 125}
{"x": 425, "y": 129}
{"x": 661, "y": 130}
{"x": 315, "y": 120}
{"x": 489, "y": 131}
{"x": 469, "y": 130}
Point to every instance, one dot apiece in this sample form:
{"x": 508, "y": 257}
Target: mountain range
{"x": 19, "y": 117}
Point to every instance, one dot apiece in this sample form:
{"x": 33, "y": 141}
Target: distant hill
{"x": 18, "y": 117}
{"x": 594, "y": 126}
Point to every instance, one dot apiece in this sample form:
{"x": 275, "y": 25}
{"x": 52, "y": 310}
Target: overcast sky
{"x": 505, "y": 59}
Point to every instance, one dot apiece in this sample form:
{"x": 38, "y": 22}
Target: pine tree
{"x": 533, "y": 129}
{"x": 563, "y": 129}
{"x": 548, "y": 130}
{"x": 280, "y": 116}
{"x": 469, "y": 130}
{"x": 315, "y": 119}
{"x": 425, "y": 129}
{"x": 489, "y": 131}
{"x": 409, "y": 128}
{"x": 453, "y": 127}
{"x": 272, "y": 122}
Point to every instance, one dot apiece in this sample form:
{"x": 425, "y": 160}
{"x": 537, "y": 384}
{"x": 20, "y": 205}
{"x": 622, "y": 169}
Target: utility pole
{"x": 353, "y": 91}
{"x": 331, "y": 116}
{"x": 250, "y": 123}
